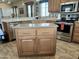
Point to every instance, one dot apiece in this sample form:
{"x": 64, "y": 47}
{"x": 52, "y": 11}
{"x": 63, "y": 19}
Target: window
{"x": 29, "y": 10}
{"x": 21, "y": 10}
{"x": 44, "y": 9}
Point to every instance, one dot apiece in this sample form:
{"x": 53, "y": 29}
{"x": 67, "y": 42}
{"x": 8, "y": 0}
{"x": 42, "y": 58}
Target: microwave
{"x": 69, "y": 7}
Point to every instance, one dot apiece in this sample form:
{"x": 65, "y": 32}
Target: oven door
{"x": 66, "y": 28}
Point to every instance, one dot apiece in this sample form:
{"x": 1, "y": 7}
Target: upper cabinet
{"x": 54, "y": 5}
{"x": 50, "y": 4}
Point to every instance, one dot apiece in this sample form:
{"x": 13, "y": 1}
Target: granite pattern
{"x": 42, "y": 25}
{"x": 17, "y": 19}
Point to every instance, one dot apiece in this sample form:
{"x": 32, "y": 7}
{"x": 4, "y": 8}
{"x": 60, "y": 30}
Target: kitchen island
{"x": 36, "y": 39}
{"x": 9, "y": 23}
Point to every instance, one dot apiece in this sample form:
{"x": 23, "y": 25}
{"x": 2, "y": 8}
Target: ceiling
{"x": 14, "y": 2}
{"x": 9, "y": 1}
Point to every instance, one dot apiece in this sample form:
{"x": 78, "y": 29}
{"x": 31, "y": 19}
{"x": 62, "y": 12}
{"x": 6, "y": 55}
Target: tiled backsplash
{"x": 57, "y": 15}
{"x": 66, "y": 15}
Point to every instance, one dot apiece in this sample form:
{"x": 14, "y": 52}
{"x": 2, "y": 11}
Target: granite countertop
{"x": 42, "y": 25}
{"x": 25, "y": 19}
{"x": 16, "y": 19}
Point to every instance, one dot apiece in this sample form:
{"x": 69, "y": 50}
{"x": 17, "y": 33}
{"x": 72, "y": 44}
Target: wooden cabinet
{"x": 76, "y": 32}
{"x": 45, "y": 46}
{"x": 46, "y": 40}
{"x": 8, "y": 30}
{"x": 24, "y": 32}
{"x": 27, "y": 46}
{"x": 25, "y": 41}
{"x": 50, "y": 5}
{"x": 40, "y": 41}
{"x": 54, "y": 5}
{"x": 45, "y": 32}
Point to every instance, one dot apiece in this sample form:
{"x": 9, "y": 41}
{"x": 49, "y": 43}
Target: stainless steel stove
{"x": 66, "y": 33}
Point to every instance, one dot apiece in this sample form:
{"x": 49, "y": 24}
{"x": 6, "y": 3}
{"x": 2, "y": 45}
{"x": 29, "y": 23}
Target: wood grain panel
{"x": 45, "y": 31}
{"x": 76, "y": 32}
{"x": 27, "y": 45}
{"x": 26, "y": 32}
{"x": 36, "y": 41}
{"x": 44, "y": 46}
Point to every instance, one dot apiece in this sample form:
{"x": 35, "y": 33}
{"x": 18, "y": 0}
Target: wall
{"x": 6, "y": 9}
{"x": 4, "y": 5}
{"x": 0, "y": 15}
{"x": 57, "y": 15}
{"x": 7, "y": 12}
{"x": 24, "y": 9}
{"x": 20, "y": 4}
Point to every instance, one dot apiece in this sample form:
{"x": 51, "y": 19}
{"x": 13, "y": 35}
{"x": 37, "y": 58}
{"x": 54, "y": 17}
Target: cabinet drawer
{"x": 46, "y": 31}
{"x": 76, "y": 39}
{"x": 50, "y": 37}
{"x": 26, "y": 37}
{"x": 77, "y": 25}
{"x": 25, "y": 32}
{"x": 76, "y": 29}
{"x": 76, "y": 34}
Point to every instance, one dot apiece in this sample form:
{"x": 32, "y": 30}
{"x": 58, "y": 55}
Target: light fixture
{"x": 9, "y": 2}
{"x": 3, "y": 0}
{"x": 23, "y": 4}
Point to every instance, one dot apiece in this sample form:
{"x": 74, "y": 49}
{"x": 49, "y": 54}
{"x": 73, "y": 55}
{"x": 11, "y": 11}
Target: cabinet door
{"x": 45, "y": 46}
{"x": 54, "y": 5}
{"x": 8, "y": 30}
{"x": 27, "y": 46}
{"x": 76, "y": 37}
{"x": 76, "y": 32}
{"x": 46, "y": 31}
{"x": 50, "y": 5}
